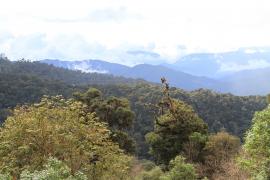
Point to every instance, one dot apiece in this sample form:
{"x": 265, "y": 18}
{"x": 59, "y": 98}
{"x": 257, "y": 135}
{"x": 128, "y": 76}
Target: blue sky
{"x": 130, "y": 32}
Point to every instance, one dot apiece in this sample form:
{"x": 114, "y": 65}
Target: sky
{"x": 130, "y": 31}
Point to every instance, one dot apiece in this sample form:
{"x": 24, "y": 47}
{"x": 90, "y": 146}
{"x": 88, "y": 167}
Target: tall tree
{"x": 176, "y": 123}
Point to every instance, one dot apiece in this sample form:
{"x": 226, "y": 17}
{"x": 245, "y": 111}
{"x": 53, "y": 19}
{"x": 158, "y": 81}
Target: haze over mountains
{"x": 147, "y": 72}
{"x": 242, "y": 72}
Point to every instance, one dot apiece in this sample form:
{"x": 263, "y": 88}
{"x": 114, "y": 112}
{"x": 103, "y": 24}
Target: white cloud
{"x": 85, "y": 67}
{"x": 107, "y": 29}
{"x": 74, "y": 47}
{"x": 251, "y": 64}
{"x": 117, "y": 15}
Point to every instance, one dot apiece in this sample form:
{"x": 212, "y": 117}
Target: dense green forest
{"x": 219, "y": 111}
{"x": 25, "y": 82}
{"x": 63, "y": 124}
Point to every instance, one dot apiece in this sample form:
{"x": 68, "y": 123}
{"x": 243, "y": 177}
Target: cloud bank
{"x": 130, "y": 32}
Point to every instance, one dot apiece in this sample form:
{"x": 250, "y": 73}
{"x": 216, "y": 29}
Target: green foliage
{"x": 54, "y": 170}
{"x": 115, "y": 112}
{"x": 256, "y": 158}
{"x": 26, "y": 82}
{"x": 153, "y": 174}
{"x": 82, "y": 134}
{"x": 45, "y": 71}
{"x": 20, "y": 85}
{"x": 193, "y": 149}
{"x": 147, "y": 165}
{"x": 179, "y": 170}
{"x": 172, "y": 131}
{"x": 219, "y": 149}
{"x": 63, "y": 129}
{"x": 124, "y": 141}
{"x": 5, "y": 177}
{"x": 18, "y": 89}
{"x": 219, "y": 111}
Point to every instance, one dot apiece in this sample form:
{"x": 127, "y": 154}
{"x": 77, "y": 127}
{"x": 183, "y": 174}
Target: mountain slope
{"x": 249, "y": 82}
{"x": 27, "y": 82}
{"x": 151, "y": 73}
{"x": 51, "y": 72}
{"x": 246, "y": 82}
{"x": 176, "y": 78}
{"x": 90, "y": 66}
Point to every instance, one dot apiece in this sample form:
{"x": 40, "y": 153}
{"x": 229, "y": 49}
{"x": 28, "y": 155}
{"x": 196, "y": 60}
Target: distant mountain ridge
{"x": 148, "y": 72}
{"x": 255, "y": 81}
{"x": 238, "y": 75}
{"x": 217, "y": 65}
{"x": 89, "y": 66}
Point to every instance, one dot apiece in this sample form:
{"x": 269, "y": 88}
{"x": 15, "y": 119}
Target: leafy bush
{"x": 63, "y": 129}
{"x": 54, "y": 170}
{"x": 256, "y": 156}
{"x": 179, "y": 170}
{"x": 153, "y": 174}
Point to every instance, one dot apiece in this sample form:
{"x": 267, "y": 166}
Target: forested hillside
{"x": 192, "y": 71}
{"x": 50, "y": 72}
{"x": 219, "y": 111}
{"x": 148, "y": 72}
{"x": 26, "y": 82}
{"x": 134, "y": 90}
{"x": 131, "y": 118}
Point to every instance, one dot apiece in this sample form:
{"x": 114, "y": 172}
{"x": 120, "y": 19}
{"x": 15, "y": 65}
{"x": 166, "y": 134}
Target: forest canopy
{"x": 87, "y": 128}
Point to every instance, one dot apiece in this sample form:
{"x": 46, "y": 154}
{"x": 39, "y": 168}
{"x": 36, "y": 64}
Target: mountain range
{"x": 151, "y": 73}
{"x": 242, "y": 72}
{"x": 219, "y": 65}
